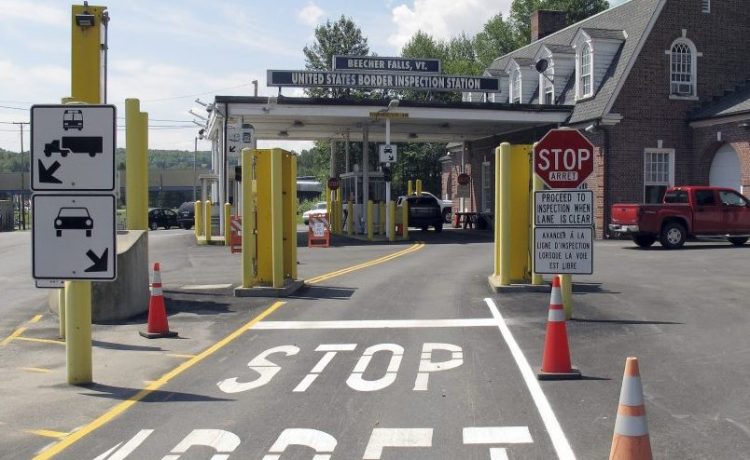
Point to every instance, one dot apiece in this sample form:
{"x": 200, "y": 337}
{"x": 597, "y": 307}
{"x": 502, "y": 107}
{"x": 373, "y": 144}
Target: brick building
{"x": 661, "y": 87}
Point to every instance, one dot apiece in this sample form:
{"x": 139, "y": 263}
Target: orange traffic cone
{"x": 556, "y": 358}
{"x": 157, "y": 312}
{"x": 631, "y": 441}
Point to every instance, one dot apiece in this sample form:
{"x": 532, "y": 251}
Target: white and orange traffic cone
{"x": 556, "y": 358}
{"x": 158, "y": 327}
{"x": 631, "y": 441}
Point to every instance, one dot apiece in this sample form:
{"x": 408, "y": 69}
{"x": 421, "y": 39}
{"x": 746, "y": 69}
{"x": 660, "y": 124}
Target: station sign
{"x": 380, "y": 80}
{"x": 74, "y": 237}
{"x": 73, "y": 148}
{"x": 386, "y": 64}
{"x": 388, "y": 153}
{"x": 563, "y": 158}
{"x": 564, "y": 250}
{"x": 564, "y": 207}
{"x": 388, "y": 115}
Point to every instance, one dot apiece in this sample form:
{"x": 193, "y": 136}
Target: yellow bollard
{"x": 198, "y": 215}
{"x": 405, "y": 219}
{"x": 136, "y": 159}
{"x": 409, "y": 188}
{"x": 566, "y": 288}
{"x": 392, "y": 217}
{"x": 61, "y": 311}
{"x": 227, "y": 224}
{"x": 369, "y": 221}
{"x": 381, "y": 218}
{"x": 537, "y": 185}
{"x": 78, "y": 331}
{"x": 419, "y": 187}
{"x": 207, "y": 219}
{"x": 350, "y": 218}
{"x": 249, "y": 271}
{"x": 501, "y": 275}
{"x": 277, "y": 220}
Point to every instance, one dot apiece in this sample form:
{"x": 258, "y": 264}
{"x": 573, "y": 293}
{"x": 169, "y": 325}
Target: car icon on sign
{"x": 72, "y": 218}
{"x": 72, "y": 119}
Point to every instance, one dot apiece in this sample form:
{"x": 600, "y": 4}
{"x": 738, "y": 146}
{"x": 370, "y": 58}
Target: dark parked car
{"x": 162, "y": 217}
{"x": 424, "y": 211}
{"x": 186, "y": 215}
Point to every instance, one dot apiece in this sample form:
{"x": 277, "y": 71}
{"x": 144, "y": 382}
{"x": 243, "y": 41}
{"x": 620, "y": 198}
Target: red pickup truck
{"x": 686, "y": 211}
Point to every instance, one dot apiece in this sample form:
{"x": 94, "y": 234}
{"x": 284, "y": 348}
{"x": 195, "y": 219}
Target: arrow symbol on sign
{"x": 46, "y": 175}
{"x": 100, "y": 263}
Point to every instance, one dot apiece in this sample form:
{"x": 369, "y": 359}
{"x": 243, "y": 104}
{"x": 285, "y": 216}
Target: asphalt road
{"x": 406, "y": 359}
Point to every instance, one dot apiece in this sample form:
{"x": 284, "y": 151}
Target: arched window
{"x": 682, "y": 68}
{"x": 585, "y": 86}
{"x": 515, "y": 87}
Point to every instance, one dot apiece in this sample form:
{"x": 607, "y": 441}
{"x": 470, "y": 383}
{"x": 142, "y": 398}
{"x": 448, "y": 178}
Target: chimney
{"x": 546, "y": 22}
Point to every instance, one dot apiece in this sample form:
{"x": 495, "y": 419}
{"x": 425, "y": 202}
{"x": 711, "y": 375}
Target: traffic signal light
{"x": 238, "y": 173}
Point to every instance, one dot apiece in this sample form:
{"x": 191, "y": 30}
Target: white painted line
{"x": 497, "y": 435}
{"x": 127, "y": 449}
{"x": 376, "y": 324}
{"x": 559, "y": 441}
{"x": 396, "y": 437}
{"x": 498, "y": 453}
{"x": 206, "y": 286}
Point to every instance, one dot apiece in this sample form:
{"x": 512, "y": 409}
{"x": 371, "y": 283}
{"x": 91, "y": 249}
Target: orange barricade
{"x": 235, "y": 234}
{"x": 319, "y": 231}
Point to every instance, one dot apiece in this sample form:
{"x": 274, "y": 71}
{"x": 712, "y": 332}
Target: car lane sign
{"x": 564, "y": 207}
{"x": 74, "y": 237}
{"x": 73, "y": 148}
{"x": 564, "y": 250}
{"x": 388, "y": 153}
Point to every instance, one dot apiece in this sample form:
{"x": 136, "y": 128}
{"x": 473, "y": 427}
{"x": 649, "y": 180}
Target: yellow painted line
{"x": 14, "y": 335}
{"x": 344, "y": 271}
{"x": 34, "y": 339}
{"x": 175, "y": 355}
{"x": 49, "y": 433}
{"x": 36, "y": 369}
{"x": 108, "y": 416}
{"x": 35, "y": 319}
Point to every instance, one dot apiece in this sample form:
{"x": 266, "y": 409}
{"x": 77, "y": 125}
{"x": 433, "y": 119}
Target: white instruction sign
{"x": 564, "y": 250}
{"x": 564, "y": 207}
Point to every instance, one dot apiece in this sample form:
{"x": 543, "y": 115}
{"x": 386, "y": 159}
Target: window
{"x": 676, "y": 196}
{"x": 705, "y": 197}
{"x": 706, "y": 7}
{"x": 658, "y": 168}
{"x": 515, "y": 87}
{"x": 586, "y": 74}
{"x": 682, "y": 69}
{"x": 548, "y": 89}
{"x": 732, "y": 199}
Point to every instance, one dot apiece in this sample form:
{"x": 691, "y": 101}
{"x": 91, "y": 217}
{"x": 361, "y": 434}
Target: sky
{"x": 167, "y": 53}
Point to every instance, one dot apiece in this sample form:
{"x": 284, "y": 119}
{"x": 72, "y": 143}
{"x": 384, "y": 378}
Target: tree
{"x": 342, "y": 37}
{"x": 497, "y": 38}
{"x": 577, "y": 10}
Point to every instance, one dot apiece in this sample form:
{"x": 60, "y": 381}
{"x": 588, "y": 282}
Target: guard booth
{"x": 352, "y": 189}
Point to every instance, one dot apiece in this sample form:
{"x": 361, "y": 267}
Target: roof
{"x": 605, "y": 34}
{"x": 735, "y": 103}
{"x": 302, "y": 118}
{"x": 631, "y": 20}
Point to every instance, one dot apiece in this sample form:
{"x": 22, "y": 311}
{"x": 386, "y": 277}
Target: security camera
{"x": 209, "y": 107}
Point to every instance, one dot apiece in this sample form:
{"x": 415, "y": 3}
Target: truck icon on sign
{"x": 73, "y": 119}
{"x": 81, "y": 144}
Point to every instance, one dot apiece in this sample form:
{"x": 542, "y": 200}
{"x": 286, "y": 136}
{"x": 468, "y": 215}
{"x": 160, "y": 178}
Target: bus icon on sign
{"x": 72, "y": 119}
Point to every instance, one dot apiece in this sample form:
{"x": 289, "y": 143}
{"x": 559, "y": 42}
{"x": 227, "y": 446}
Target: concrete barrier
{"x": 128, "y": 295}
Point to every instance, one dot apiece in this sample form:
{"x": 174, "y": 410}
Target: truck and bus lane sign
{"x": 73, "y": 148}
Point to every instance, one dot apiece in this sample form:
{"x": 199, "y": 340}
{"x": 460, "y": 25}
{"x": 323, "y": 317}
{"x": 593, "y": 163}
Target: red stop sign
{"x": 333, "y": 183}
{"x": 564, "y": 158}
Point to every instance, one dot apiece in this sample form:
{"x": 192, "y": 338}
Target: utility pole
{"x": 22, "y": 207}
{"x": 195, "y": 159}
